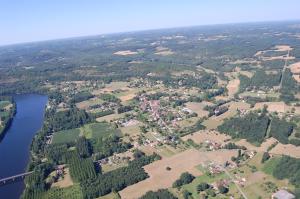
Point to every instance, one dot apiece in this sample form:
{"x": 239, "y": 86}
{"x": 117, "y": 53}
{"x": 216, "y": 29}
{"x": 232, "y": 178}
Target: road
{"x": 284, "y": 68}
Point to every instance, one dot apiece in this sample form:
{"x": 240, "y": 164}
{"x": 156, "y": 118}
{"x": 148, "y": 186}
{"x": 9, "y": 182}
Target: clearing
{"x": 65, "y": 182}
{"x": 183, "y": 162}
{"x": 197, "y": 107}
{"x": 125, "y": 52}
{"x": 204, "y": 135}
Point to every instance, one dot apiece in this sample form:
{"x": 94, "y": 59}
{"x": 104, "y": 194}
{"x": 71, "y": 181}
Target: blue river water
{"x": 15, "y": 146}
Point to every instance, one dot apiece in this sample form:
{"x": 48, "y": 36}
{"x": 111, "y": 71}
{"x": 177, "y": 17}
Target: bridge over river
{"x": 11, "y": 179}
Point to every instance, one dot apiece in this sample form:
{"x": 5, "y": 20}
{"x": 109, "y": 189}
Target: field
{"x": 111, "y": 117}
{"x": 125, "y": 52}
{"x": 286, "y": 149}
{"x": 258, "y": 181}
{"x": 197, "y": 108}
{"x": 233, "y": 87}
{"x": 295, "y": 69}
{"x": 214, "y": 121}
{"x": 66, "y": 136}
{"x": 192, "y": 187}
{"x": 90, "y": 131}
{"x": 65, "y": 182}
{"x": 98, "y": 130}
{"x": 279, "y": 107}
{"x": 179, "y": 163}
{"x": 203, "y": 135}
{"x": 73, "y": 192}
{"x": 90, "y": 102}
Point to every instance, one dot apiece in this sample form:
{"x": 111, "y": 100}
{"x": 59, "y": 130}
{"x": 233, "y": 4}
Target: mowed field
{"x": 90, "y": 131}
{"x": 295, "y": 69}
{"x": 233, "y": 87}
{"x": 197, "y": 108}
{"x": 203, "y": 135}
{"x": 186, "y": 161}
{"x": 279, "y": 149}
{"x": 214, "y": 121}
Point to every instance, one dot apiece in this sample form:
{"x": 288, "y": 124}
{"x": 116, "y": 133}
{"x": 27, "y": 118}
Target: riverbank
{"x": 7, "y": 113}
{"x": 15, "y": 147}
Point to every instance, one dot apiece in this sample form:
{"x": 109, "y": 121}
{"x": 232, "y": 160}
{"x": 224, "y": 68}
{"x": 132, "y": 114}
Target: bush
{"x": 202, "y": 187}
{"x": 185, "y": 178}
{"x": 265, "y": 157}
{"x": 223, "y": 189}
{"x": 160, "y": 194}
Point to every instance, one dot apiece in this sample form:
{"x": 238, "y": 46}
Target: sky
{"x": 36, "y": 20}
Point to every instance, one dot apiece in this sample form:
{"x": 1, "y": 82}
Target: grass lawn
{"x": 258, "y": 180}
{"x": 73, "y": 192}
{"x": 110, "y": 196}
{"x": 98, "y": 130}
{"x": 255, "y": 94}
{"x": 106, "y": 168}
{"x": 131, "y": 130}
{"x": 192, "y": 187}
{"x": 111, "y": 117}
{"x": 90, "y": 131}
{"x": 270, "y": 165}
{"x": 66, "y": 136}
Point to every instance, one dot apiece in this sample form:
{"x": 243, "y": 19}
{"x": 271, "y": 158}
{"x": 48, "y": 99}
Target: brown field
{"x": 286, "y": 149}
{"x": 280, "y": 107}
{"x": 179, "y": 163}
{"x": 184, "y": 72}
{"x": 297, "y": 78}
{"x": 283, "y": 48}
{"x": 245, "y": 61}
{"x": 279, "y": 149}
{"x": 165, "y": 53}
{"x": 197, "y": 108}
{"x": 125, "y": 52}
{"x": 203, "y": 135}
{"x": 278, "y": 58}
{"x": 214, "y": 121}
{"x": 112, "y": 87}
{"x": 262, "y": 148}
{"x": 246, "y": 73}
{"x": 131, "y": 130}
{"x": 233, "y": 87}
{"x": 160, "y": 50}
{"x": 87, "y": 103}
{"x": 295, "y": 68}
{"x": 127, "y": 97}
{"x": 110, "y": 117}
{"x": 66, "y": 182}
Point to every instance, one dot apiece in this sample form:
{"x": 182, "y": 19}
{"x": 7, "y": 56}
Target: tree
{"x": 185, "y": 178}
{"x": 265, "y": 157}
{"x": 202, "y": 187}
{"x": 223, "y": 189}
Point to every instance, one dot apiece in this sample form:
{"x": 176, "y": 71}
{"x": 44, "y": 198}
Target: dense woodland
{"x": 252, "y": 127}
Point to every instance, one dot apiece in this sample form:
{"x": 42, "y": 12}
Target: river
{"x": 14, "y": 148}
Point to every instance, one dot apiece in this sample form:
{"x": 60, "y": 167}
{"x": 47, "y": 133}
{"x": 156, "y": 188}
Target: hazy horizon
{"x": 34, "y": 21}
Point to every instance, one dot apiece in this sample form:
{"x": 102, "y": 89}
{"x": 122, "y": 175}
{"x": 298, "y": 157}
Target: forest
{"x": 252, "y": 127}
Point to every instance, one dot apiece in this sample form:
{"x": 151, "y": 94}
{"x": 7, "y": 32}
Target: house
{"x": 283, "y": 194}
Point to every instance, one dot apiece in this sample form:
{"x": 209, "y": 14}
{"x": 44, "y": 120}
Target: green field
{"x": 98, "y": 130}
{"x": 66, "y": 136}
{"x": 192, "y": 187}
{"x": 73, "y": 192}
{"x": 90, "y": 131}
{"x": 270, "y": 165}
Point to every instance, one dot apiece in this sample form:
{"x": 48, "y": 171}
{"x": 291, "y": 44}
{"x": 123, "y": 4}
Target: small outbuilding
{"x": 283, "y": 194}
